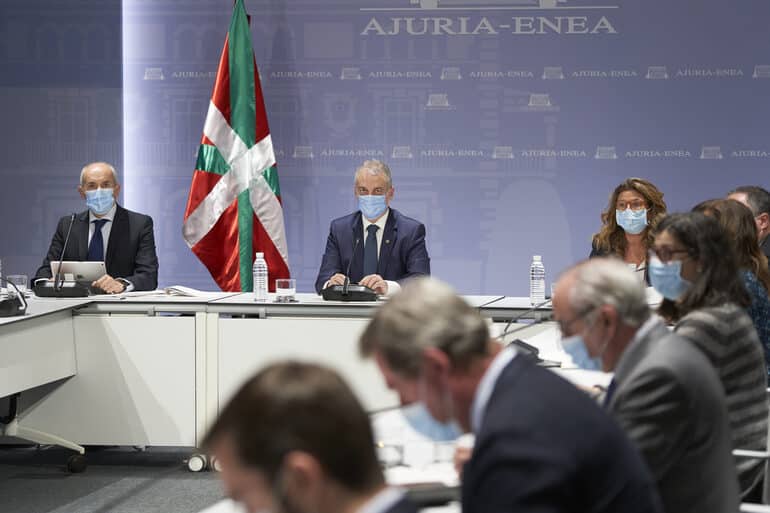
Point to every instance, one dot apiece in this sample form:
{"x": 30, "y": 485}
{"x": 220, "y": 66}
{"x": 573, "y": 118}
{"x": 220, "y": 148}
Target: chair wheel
{"x": 214, "y": 464}
{"x": 197, "y": 462}
{"x": 76, "y": 464}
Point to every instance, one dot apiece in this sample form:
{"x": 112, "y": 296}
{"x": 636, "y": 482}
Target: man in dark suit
{"x": 758, "y": 200}
{"x": 385, "y": 246}
{"x": 665, "y": 393}
{"x": 542, "y": 445}
{"x": 107, "y": 232}
{"x": 294, "y": 438}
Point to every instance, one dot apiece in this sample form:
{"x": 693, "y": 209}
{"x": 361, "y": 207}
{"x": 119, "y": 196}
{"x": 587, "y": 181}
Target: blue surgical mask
{"x": 100, "y": 201}
{"x": 420, "y": 419}
{"x": 372, "y": 206}
{"x": 575, "y": 346}
{"x": 632, "y": 221}
{"x": 667, "y": 278}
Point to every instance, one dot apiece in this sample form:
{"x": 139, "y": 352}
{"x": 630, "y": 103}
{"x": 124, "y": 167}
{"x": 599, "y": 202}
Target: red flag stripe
{"x": 218, "y": 250}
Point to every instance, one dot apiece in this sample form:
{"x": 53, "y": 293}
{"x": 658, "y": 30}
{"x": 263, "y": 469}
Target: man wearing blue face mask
{"x": 541, "y": 445}
{"x": 379, "y": 244}
{"x": 107, "y": 232}
{"x": 665, "y": 393}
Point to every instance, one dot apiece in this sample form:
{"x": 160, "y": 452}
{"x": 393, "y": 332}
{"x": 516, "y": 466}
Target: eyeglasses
{"x": 565, "y": 326}
{"x": 665, "y": 254}
{"x": 636, "y": 204}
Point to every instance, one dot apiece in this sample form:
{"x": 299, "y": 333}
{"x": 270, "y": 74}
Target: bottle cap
{"x": 260, "y": 255}
{"x": 537, "y": 258}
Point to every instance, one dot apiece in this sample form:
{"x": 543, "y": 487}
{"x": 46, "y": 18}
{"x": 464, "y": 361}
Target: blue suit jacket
{"x": 402, "y": 252}
{"x": 545, "y": 447}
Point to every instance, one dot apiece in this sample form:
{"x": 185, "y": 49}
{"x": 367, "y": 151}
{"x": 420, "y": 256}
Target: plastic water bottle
{"x": 259, "y": 273}
{"x": 536, "y": 280}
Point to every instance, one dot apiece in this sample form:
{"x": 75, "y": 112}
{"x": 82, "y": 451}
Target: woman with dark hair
{"x": 692, "y": 264}
{"x": 635, "y": 207}
{"x": 738, "y": 222}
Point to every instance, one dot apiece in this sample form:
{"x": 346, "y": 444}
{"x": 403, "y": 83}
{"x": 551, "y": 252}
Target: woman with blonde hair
{"x": 635, "y": 207}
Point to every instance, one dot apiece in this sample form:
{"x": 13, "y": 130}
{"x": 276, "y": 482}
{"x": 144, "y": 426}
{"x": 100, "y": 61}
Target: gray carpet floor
{"x": 117, "y": 480}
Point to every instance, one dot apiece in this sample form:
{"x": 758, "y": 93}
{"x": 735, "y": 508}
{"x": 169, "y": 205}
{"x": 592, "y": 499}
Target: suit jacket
{"x": 670, "y": 402}
{"x": 765, "y": 247}
{"x": 402, "y": 252}
{"x": 545, "y": 447}
{"x": 130, "y": 248}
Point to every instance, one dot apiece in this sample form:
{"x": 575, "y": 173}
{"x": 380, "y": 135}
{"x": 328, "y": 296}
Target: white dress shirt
{"x": 106, "y": 230}
{"x": 487, "y": 385}
{"x": 393, "y": 286}
{"x": 106, "y": 227}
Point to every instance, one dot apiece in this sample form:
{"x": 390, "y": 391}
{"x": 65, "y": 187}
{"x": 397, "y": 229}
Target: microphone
{"x": 346, "y": 283}
{"x": 12, "y": 307}
{"x": 346, "y": 291}
{"x": 44, "y": 288}
{"x": 56, "y": 283}
{"x": 521, "y": 316}
{"x": 526, "y": 349}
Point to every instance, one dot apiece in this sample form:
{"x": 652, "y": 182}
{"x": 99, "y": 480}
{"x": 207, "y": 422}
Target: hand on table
{"x": 337, "y": 279}
{"x": 376, "y": 283}
{"x": 109, "y": 285}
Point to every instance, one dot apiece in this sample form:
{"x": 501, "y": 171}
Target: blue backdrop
{"x": 506, "y": 123}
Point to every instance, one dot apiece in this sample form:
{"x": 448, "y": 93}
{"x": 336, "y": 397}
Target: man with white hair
{"x": 380, "y": 245}
{"x": 541, "y": 446}
{"x": 665, "y": 393}
{"x": 107, "y": 232}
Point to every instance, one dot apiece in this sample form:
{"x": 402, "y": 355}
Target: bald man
{"x": 107, "y": 232}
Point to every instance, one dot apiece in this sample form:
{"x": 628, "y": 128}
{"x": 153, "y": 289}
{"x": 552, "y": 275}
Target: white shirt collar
{"x": 383, "y": 501}
{"x": 487, "y": 385}
{"x": 380, "y": 222}
{"x": 110, "y": 215}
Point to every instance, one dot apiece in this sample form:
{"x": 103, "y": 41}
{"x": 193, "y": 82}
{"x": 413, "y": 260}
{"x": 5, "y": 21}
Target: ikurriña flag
{"x": 234, "y": 206}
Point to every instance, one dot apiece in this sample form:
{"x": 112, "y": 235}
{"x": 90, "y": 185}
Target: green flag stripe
{"x": 241, "y": 61}
{"x": 245, "y": 235}
{"x": 209, "y": 159}
{"x": 271, "y": 177}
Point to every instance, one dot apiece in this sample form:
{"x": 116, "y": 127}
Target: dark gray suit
{"x": 670, "y": 402}
{"x": 130, "y": 249}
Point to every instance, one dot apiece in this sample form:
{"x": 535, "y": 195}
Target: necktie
{"x": 370, "y": 250}
{"x": 608, "y": 395}
{"x": 96, "y": 248}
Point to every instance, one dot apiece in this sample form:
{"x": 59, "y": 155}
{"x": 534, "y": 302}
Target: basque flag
{"x": 234, "y": 206}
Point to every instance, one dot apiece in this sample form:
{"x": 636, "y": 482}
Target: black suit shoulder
{"x": 562, "y": 450}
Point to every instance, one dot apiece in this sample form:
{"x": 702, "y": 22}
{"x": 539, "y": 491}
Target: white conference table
{"x": 155, "y": 369}
{"x": 39, "y": 347}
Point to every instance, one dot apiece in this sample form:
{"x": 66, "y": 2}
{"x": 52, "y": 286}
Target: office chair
{"x": 9, "y": 426}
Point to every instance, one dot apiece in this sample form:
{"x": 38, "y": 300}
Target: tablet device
{"x": 80, "y": 271}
